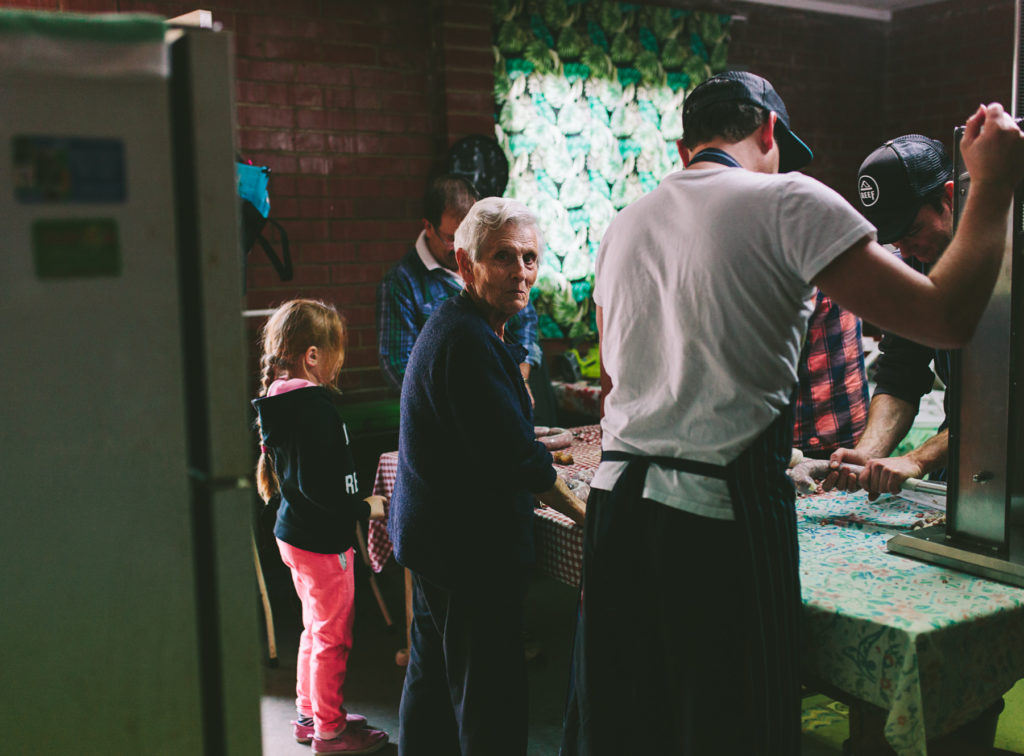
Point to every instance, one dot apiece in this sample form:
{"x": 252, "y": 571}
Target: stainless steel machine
{"x": 984, "y": 530}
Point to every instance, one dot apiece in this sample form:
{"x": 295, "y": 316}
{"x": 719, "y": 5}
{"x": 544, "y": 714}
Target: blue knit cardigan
{"x": 469, "y": 464}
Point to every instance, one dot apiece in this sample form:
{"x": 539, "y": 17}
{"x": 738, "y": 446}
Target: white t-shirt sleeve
{"x": 816, "y": 225}
{"x": 598, "y": 293}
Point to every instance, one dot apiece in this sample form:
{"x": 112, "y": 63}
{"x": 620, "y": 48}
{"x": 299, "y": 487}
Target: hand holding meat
{"x": 841, "y": 477}
{"x": 887, "y": 474}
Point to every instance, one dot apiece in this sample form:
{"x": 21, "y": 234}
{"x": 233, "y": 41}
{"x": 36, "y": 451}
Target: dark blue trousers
{"x": 465, "y": 686}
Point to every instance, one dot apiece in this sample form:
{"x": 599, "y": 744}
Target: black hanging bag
{"x": 254, "y": 198}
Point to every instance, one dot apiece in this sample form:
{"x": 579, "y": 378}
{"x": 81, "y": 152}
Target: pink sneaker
{"x": 304, "y": 733}
{"x": 363, "y": 740}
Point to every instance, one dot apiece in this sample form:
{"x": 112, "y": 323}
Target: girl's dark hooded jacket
{"x": 309, "y": 445}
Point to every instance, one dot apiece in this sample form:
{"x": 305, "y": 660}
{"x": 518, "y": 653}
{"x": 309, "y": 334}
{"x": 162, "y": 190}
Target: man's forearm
{"x": 889, "y": 420}
{"x": 933, "y": 454}
{"x": 942, "y": 309}
{"x": 969, "y": 266}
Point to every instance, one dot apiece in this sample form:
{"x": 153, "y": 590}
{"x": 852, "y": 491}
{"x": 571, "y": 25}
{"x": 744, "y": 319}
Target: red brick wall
{"x": 830, "y": 70}
{"x": 341, "y": 101}
{"x": 852, "y": 83}
{"x": 945, "y": 59}
{"x": 353, "y": 103}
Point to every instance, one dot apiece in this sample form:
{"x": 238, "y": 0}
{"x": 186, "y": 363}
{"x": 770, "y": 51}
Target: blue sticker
{"x": 68, "y": 169}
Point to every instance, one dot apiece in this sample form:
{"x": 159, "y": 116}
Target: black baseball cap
{"x": 894, "y": 180}
{"x": 742, "y": 86}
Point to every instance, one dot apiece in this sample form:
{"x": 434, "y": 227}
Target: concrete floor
{"x": 374, "y": 684}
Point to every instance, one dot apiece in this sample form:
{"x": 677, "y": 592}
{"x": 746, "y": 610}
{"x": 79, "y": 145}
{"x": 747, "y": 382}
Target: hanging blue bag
{"x": 254, "y": 196}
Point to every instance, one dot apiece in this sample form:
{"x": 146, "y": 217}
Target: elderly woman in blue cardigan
{"x": 461, "y": 516}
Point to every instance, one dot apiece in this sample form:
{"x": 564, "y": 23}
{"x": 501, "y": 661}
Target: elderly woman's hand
{"x": 561, "y": 499}
{"x": 376, "y": 506}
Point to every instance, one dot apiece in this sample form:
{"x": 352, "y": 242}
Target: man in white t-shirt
{"x": 691, "y": 598}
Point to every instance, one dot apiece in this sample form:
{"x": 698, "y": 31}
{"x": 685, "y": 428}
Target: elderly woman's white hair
{"x": 490, "y": 214}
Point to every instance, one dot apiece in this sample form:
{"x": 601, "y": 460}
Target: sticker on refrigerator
{"x": 68, "y": 169}
{"x": 76, "y": 248}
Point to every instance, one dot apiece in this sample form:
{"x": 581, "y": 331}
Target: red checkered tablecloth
{"x": 559, "y": 541}
{"x": 581, "y": 398}
{"x": 377, "y": 541}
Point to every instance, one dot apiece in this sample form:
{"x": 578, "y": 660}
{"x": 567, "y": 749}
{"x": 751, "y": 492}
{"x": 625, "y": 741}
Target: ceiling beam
{"x": 827, "y": 6}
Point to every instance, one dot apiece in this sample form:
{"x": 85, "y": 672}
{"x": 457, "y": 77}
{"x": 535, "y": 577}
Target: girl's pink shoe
{"x": 352, "y": 741}
{"x": 304, "y": 733}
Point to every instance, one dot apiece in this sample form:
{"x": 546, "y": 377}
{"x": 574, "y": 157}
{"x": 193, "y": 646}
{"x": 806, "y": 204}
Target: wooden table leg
{"x": 402, "y": 655}
{"x": 365, "y": 554}
{"x": 867, "y": 731}
{"x": 268, "y": 612}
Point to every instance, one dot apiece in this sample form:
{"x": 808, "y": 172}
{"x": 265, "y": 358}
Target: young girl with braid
{"x": 306, "y": 458}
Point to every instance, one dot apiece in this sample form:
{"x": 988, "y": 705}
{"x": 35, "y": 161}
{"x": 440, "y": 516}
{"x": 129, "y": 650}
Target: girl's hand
{"x": 376, "y": 507}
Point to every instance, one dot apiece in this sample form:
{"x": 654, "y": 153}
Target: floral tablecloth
{"x": 930, "y": 646}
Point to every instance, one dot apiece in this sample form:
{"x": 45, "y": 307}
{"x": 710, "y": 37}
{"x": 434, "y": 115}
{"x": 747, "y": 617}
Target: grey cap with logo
{"x": 895, "y": 180}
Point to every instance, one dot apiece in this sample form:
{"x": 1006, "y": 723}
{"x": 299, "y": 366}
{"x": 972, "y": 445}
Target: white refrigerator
{"x": 129, "y": 616}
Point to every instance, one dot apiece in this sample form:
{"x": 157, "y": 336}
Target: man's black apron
{"x": 763, "y": 500}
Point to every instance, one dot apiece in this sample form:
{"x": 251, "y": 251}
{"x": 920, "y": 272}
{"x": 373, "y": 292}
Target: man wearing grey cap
{"x": 690, "y": 611}
{"x": 905, "y": 189}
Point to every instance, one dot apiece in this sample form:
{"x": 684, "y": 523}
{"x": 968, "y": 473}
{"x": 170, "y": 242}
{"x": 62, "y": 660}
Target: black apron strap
{"x": 682, "y": 465}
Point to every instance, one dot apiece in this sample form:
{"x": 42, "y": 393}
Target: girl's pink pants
{"x": 326, "y": 587}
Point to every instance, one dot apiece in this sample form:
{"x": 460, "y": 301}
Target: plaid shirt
{"x": 832, "y": 398}
{"x": 408, "y": 295}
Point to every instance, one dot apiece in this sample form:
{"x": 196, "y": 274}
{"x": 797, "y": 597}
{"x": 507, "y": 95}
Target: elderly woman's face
{"x": 505, "y": 271}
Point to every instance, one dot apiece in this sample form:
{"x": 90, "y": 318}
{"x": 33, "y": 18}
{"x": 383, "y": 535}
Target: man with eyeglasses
{"x": 428, "y": 275}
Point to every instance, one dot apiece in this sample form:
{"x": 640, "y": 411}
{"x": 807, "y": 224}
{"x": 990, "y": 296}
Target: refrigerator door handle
{"x": 222, "y": 483}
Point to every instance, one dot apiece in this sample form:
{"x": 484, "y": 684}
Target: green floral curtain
{"x": 589, "y": 96}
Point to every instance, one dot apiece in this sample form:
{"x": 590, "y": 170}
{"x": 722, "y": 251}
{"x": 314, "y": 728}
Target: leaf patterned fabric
{"x": 588, "y": 100}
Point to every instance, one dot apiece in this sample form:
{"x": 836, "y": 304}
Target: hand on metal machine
{"x": 993, "y": 147}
